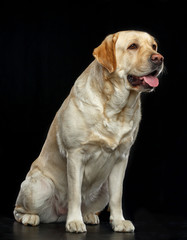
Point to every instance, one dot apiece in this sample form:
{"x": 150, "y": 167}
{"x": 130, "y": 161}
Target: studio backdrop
{"x": 43, "y": 51}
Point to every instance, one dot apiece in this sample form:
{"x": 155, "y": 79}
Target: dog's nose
{"x": 157, "y": 58}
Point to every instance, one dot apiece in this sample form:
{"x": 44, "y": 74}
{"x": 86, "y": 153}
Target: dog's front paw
{"x": 76, "y": 226}
{"x": 122, "y": 226}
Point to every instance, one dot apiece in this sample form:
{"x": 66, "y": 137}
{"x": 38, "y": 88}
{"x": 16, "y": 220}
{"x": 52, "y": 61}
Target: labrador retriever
{"x": 82, "y": 164}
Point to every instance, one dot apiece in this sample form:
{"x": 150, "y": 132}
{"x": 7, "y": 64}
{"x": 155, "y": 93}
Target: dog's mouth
{"x": 147, "y": 81}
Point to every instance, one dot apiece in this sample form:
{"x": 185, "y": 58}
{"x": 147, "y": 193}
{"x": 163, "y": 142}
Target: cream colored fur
{"x": 82, "y": 164}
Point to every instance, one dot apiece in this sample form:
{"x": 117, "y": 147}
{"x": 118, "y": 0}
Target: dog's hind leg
{"x": 35, "y": 202}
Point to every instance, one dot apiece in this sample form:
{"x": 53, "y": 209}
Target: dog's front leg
{"x": 119, "y": 224}
{"x": 75, "y": 170}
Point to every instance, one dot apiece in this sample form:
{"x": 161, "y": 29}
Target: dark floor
{"x": 163, "y": 230}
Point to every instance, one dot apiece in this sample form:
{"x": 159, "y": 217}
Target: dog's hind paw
{"x": 91, "y": 219}
{"x": 123, "y": 226}
{"x": 76, "y": 226}
{"x": 26, "y": 218}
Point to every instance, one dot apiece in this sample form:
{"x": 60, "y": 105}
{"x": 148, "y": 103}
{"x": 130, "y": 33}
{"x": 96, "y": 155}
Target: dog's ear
{"x": 105, "y": 53}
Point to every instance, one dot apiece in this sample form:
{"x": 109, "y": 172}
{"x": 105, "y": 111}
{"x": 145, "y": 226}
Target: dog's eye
{"x": 154, "y": 46}
{"x": 133, "y": 46}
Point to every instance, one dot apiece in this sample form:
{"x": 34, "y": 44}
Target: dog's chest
{"x": 112, "y": 133}
{"x": 119, "y": 133}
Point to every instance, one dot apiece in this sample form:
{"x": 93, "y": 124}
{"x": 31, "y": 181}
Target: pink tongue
{"x": 151, "y": 80}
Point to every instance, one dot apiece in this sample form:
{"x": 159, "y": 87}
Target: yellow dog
{"x": 82, "y": 164}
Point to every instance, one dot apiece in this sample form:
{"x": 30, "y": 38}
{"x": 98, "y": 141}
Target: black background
{"x": 45, "y": 47}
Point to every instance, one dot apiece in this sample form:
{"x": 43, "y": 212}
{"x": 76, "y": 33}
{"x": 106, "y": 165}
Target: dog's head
{"x": 133, "y": 56}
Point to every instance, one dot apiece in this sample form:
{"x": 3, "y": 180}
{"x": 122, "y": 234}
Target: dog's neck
{"x": 119, "y": 100}
{"x": 106, "y": 92}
